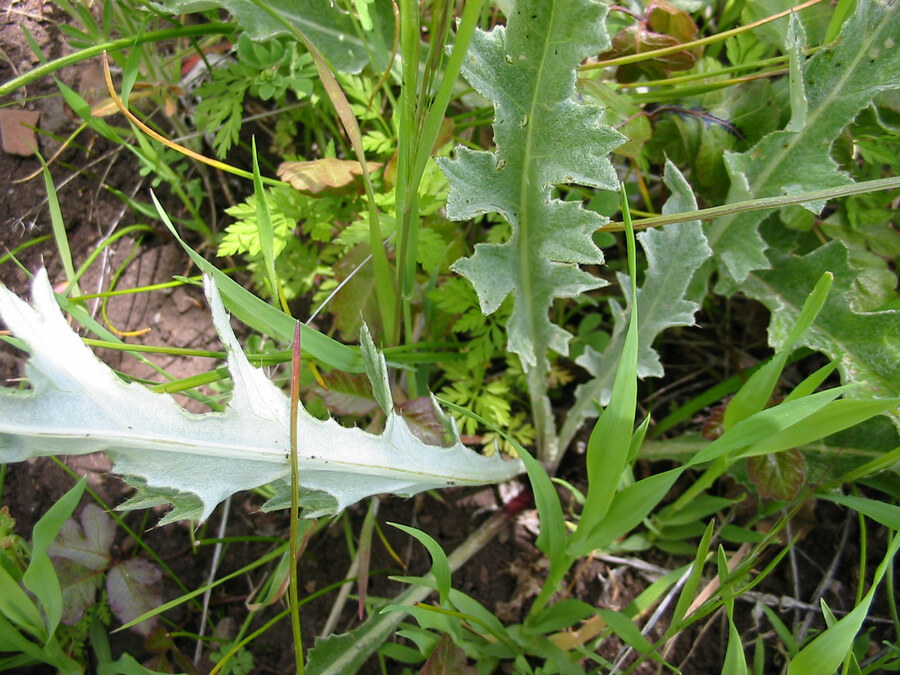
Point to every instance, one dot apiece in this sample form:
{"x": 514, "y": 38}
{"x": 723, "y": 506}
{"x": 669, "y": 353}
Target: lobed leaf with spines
{"x": 544, "y": 137}
{"x": 837, "y": 82}
{"x": 78, "y": 405}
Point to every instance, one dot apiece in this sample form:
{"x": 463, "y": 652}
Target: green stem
{"x": 685, "y": 46}
{"x": 293, "y": 593}
{"x": 113, "y": 46}
{"x": 760, "y": 204}
{"x": 407, "y": 190}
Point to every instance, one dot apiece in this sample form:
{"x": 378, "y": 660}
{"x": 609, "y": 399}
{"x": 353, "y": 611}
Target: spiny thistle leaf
{"x": 78, "y": 405}
{"x": 839, "y": 81}
{"x": 544, "y": 138}
{"x": 674, "y": 253}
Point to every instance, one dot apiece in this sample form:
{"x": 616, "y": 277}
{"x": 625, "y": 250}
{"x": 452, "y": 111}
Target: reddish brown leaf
{"x": 663, "y": 25}
{"x": 712, "y": 425}
{"x": 347, "y": 394}
{"x": 666, "y": 18}
{"x": 18, "y": 138}
{"x": 133, "y": 589}
{"x": 447, "y": 659}
{"x": 426, "y": 421}
{"x": 779, "y": 475}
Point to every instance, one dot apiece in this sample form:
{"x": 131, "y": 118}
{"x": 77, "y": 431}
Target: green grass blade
{"x": 440, "y": 567}
{"x": 628, "y": 508}
{"x": 59, "y": 233}
{"x": 881, "y": 512}
{"x": 826, "y": 653}
{"x": 766, "y": 423}
{"x": 18, "y": 609}
{"x": 756, "y": 393}
{"x": 202, "y": 29}
{"x": 610, "y": 443}
{"x": 830, "y": 419}
{"x": 689, "y": 591}
{"x": 624, "y": 627}
{"x": 264, "y": 229}
{"x": 812, "y": 382}
{"x": 40, "y": 577}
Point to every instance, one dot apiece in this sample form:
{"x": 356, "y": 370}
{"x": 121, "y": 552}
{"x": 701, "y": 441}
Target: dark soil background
{"x": 504, "y": 576}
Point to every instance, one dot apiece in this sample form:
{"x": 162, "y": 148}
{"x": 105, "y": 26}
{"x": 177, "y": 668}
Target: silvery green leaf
{"x": 674, "y": 253}
{"x": 544, "y": 137}
{"x": 865, "y": 344}
{"x": 78, "y": 405}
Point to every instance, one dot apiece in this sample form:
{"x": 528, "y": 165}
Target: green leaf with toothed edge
{"x": 328, "y": 27}
{"x": 837, "y": 82}
{"x": 543, "y": 138}
{"x": 662, "y": 299}
{"x": 78, "y": 405}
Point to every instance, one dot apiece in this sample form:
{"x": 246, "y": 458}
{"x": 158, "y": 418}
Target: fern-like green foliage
{"x": 220, "y": 109}
{"x": 267, "y": 71}
{"x": 544, "y": 138}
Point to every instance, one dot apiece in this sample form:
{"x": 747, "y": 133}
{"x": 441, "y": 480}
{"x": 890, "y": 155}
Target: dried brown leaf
{"x": 323, "y": 175}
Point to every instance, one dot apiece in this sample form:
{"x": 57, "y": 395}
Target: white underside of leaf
{"x": 78, "y": 405}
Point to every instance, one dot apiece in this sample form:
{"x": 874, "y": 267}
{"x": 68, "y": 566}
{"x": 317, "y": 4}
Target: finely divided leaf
{"x": 78, "y": 405}
{"x": 544, "y": 138}
{"x": 839, "y": 81}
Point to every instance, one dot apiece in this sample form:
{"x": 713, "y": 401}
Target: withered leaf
{"x": 323, "y": 175}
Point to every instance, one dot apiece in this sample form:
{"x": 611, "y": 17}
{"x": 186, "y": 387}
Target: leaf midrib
{"x": 526, "y": 185}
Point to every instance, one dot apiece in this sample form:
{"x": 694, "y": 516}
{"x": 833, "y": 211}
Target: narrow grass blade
{"x": 265, "y": 230}
{"x": 624, "y": 627}
{"x": 881, "y": 512}
{"x": 756, "y": 393}
{"x": 440, "y": 567}
{"x": 689, "y": 590}
{"x": 628, "y": 508}
{"x": 59, "y": 233}
{"x": 812, "y": 382}
{"x": 15, "y": 605}
{"x": 826, "y": 653}
{"x": 610, "y": 443}
{"x": 832, "y": 418}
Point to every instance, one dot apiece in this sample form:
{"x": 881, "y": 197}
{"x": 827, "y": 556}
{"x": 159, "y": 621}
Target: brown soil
{"x": 504, "y": 576}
